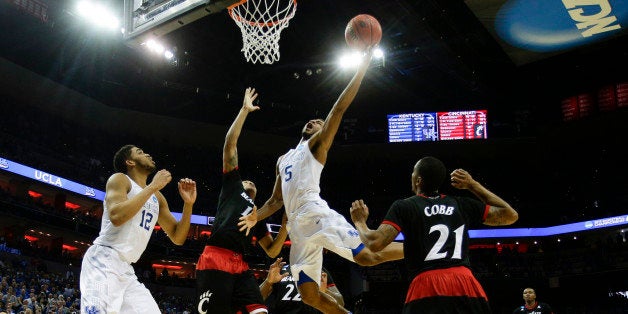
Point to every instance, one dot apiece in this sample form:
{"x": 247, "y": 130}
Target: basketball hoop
{"x": 261, "y": 23}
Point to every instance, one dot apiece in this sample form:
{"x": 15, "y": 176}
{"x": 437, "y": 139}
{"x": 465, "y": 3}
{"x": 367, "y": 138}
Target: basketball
{"x": 362, "y": 31}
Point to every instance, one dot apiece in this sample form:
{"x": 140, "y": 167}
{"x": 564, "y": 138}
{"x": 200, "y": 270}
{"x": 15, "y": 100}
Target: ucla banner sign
{"x": 45, "y": 177}
{"x": 529, "y": 30}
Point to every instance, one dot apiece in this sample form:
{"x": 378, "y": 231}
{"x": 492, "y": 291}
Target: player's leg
{"x": 101, "y": 289}
{"x": 246, "y": 294}
{"x": 306, "y": 263}
{"x": 214, "y": 292}
{"x": 138, "y": 299}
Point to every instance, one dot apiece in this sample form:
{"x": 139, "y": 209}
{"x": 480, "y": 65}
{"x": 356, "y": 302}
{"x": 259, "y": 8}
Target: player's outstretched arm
{"x": 271, "y": 246}
{"x": 121, "y": 208}
{"x": 177, "y": 231}
{"x": 500, "y": 212}
{"x": 375, "y": 240}
{"x": 274, "y": 276}
{"x": 322, "y": 140}
{"x": 230, "y": 152}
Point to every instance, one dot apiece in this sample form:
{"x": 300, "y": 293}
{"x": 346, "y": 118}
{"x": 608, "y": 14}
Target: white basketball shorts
{"x": 315, "y": 226}
{"x": 109, "y": 285}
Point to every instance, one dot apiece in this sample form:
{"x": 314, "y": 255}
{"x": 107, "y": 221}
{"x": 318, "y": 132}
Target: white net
{"x": 261, "y": 23}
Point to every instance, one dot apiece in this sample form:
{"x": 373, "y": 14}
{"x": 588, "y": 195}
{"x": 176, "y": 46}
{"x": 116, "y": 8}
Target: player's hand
{"x": 247, "y": 222}
{"x": 274, "y": 272}
{"x": 323, "y": 285}
{"x": 161, "y": 179}
{"x": 461, "y": 179}
{"x": 249, "y": 96}
{"x": 187, "y": 190}
{"x": 359, "y": 211}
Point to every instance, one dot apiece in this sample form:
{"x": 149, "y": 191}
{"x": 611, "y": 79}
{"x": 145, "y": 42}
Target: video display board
{"x": 437, "y": 126}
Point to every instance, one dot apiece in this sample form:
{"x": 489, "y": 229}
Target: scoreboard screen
{"x": 437, "y": 126}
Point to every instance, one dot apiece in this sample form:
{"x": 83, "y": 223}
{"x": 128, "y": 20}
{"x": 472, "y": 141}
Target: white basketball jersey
{"x": 130, "y": 239}
{"x": 300, "y": 178}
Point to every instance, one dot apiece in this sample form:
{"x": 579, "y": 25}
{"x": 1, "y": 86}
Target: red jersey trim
{"x": 488, "y": 207}
{"x": 256, "y": 308}
{"x": 225, "y": 171}
{"x": 394, "y": 225}
{"x": 536, "y": 303}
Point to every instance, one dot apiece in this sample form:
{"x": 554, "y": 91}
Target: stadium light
{"x": 350, "y": 60}
{"x": 97, "y": 14}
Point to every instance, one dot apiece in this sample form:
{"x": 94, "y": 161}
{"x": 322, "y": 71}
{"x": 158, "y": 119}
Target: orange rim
{"x": 240, "y": 19}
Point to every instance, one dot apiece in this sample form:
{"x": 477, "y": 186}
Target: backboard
{"x": 144, "y": 19}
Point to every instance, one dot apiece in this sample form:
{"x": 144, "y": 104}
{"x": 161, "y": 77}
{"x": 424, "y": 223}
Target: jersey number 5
{"x": 288, "y": 173}
{"x": 443, "y": 236}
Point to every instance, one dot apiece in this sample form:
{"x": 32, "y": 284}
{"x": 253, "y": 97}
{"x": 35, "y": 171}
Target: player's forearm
{"x": 348, "y": 95}
{"x": 277, "y": 244}
{"x": 270, "y": 207}
{"x": 265, "y": 288}
{"x": 231, "y": 139}
{"x": 122, "y": 212}
{"x": 487, "y": 196}
{"x": 370, "y": 238}
{"x": 183, "y": 226}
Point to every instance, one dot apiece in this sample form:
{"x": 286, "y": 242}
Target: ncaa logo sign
{"x": 552, "y": 25}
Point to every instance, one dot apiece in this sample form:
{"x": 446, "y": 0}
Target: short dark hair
{"x": 432, "y": 172}
{"x": 120, "y": 158}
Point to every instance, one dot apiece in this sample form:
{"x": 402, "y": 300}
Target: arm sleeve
{"x": 474, "y": 211}
{"x": 231, "y": 183}
{"x": 394, "y": 217}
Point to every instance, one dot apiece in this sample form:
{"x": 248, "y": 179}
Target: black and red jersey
{"x": 435, "y": 229}
{"x": 233, "y": 203}
{"x": 285, "y": 298}
{"x": 536, "y": 308}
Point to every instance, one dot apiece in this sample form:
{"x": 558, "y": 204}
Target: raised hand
{"x": 274, "y": 272}
{"x": 247, "y": 222}
{"x": 249, "y": 96}
{"x": 461, "y": 179}
{"x": 187, "y": 190}
{"x": 161, "y": 179}
{"x": 359, "y": 211}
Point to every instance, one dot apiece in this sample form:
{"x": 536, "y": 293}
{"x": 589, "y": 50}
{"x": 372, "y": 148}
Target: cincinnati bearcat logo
{"x": 204, "y": 298}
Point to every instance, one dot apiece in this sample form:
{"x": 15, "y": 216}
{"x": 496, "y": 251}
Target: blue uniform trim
{"x": 303, "y": 278}
{"x": 358, "y": 249}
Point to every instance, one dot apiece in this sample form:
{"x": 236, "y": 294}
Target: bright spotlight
{"x": 150, "y": 44}
{"x": 159, "y": 48}
{"x": 168, "y": 54}
{"x": 350, "y": 60}
{"x": 97, "y": 14}
{"x": 378, "y": 53}
{"x": 83, "y": 8}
